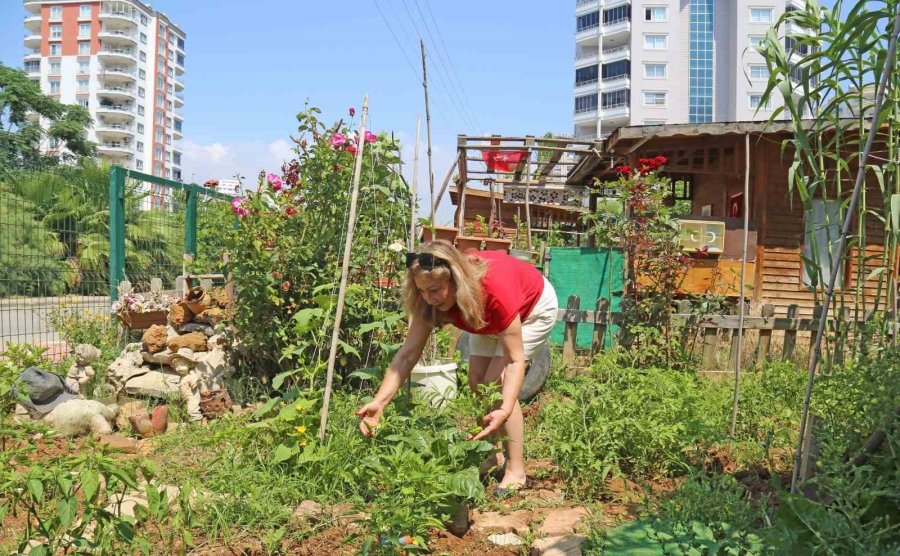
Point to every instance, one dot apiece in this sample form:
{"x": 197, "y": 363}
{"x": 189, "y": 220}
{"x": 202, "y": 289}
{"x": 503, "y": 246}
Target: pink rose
{"x": 275, "y": 182}
{"x": 371, "y": 137}
{"x": 237, "y": 207}
{"x": 338, "y": 139}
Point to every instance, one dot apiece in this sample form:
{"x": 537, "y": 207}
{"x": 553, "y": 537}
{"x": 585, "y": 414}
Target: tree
{"x": 21, "y": 133}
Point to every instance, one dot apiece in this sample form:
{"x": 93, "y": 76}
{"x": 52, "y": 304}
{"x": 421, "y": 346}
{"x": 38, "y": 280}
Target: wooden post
{"x": 736, "y": 344}
{"x": 710, "y": 340}
{"x": 810, "y": 450}
{"x": 569, "y": 337}
{"x": 690, "y": 323}
{"x": 529, "y": 141}
{"x": 345, "y": 271}
{"x": 790, "y": 336}
{"x": 427, "y": 133}
{"x": 600, "y": 326}
{"x": 765, "y": 335}
{"x": 415, "y": 190}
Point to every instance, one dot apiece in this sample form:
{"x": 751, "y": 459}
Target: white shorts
{"x": 535, "y": 330}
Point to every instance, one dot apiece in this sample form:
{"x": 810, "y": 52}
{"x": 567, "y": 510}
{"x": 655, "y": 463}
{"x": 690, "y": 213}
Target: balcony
{"x": 179, "y": 86}
{"x": 117, "y": 92}
{"x": 585, "y": 115}
{"x": 122, "y": 16}
{"x": 32, "y": 54}
{"x": 615, "y": 54}
{"x": 113, "y": 130}
{"x": 117, "y": 36}
{"x": 112, "y": 55}
{"x": 117, "y": 74}
{"x": 116, "y": 149}
{"x": 587, "y": 34}
{"x": 585, "y": 6}
{"x": 614, "y": 82}
{"x": 586, "y": 58}
{"x": 616, "y": 30}
{"x": 585, "y": 87}
{"x": 179, "y": 100}
{"x": 616, "y": 113}
{"x": 33, "y": 22}
{"x": 117, "y": 112}
{"x": 33, "y": 6}
{"x": 33, "y": 68}
{"x": 32, "y": 40}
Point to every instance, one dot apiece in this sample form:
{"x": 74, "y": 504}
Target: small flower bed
{"x": 141, "y": 303}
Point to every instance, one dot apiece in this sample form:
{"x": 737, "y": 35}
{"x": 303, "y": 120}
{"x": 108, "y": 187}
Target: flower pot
{"x": 497, "y": 244}
{"x": 467, "y": 243}
{"x": 437, "y": 383}
{"x": 446, "y": 233}
{"x": 142, "y": 321}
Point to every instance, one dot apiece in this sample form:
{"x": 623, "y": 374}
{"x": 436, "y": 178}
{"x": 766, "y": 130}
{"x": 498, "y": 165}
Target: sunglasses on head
{"x": 427, "y": 261}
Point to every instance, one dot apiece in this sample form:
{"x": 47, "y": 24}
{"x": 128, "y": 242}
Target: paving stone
{"x": 506, "y": 539}
{"x": 566, "y": 545}
{"x": 518, "y": 522}
{"x": 307, "y": 513}
{"x": 558, "y": 521}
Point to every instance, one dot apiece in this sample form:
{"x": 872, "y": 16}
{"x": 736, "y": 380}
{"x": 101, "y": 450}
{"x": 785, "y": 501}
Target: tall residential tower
{"x": 645, "y": 62}
{"x": 125, "y": 63}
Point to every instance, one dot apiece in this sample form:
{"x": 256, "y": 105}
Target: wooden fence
{"x": 711, "y": 328}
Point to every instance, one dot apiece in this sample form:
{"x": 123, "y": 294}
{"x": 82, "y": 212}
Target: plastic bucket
{"x": 435, "y": 382}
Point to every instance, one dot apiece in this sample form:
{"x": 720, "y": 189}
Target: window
{"x": 160, "y": 81}
{"x": 161, "y": 64}
{"x": 169, "y": 123}
{"x": 143, "y": 38}
{"x": 55, "y": 13}
{"x": 84, "y": 29}
{"x": 84, "y": 66}
{"x": 144, "y": 19}
{"x": 759, "y": 72}
{"x": 168, "y": 141}
{"x": 56, "y": 31}
{"x": 159, "y": 118}
{"x": 84, "y": 85}
{"x": 656, "y": 42}
{"x": 33, "y": 66}
{"x": 140, "y": 110}
{"x": 760, "y": 15}
{"x": 159, "y": 100}
{"x": 168, "y": 157}
{"x": 757, "y": 103}
{"x": 654, "y": 70}
{"x": 178, "y": 123}
{"x": 141, "y": 92}
{"x": 142, "y": 74}
{"x": 159, "y": 136}
{"x": 615, "y": 99}
{"x": 176, "y": 158}
{"x": 140, "y": 128}
{"x": 180, "y": 60}
{"x": 822, "y": 228}
{"x": 586, "y": 76}
{"x": 54, "y": 143}
{"x": 587, "y": 21}
{"x": 161, "y": 48}
{"x": 585, "y": 103}
{"x": 170, "y": 89}
{"x": 143, "y": 56}
{"x": 55, "y": 68}
{"x": 756, "y": 40}
{"x": 171, "y": 39}
{"x": 168, "y": 173}
{"x": 701, "y": 70}
{"x": 139, "y": 164}
{"x": 54, "y": 86}
{"x": 84, "y": 49}
{"x": 140, "y": 147}
{"x": 181, "y": 44}
{"x": 654, "y": 122}
{"x": 159, "y": 153}
{"x": 654, "y": 98}
{"x": 656, "y": 13}
{"x": 616, "y": 70}
{"x": 56, "y": 49}
{"x": 84, "y": 102}
{"x": 169, "y": 105}
{"x": 84, "y": 11}
{"x": 617, "y": 14}
{"x": 169, "y": 72}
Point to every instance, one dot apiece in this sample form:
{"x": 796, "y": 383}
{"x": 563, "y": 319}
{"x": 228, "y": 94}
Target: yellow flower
{"x": 302, "y": 442}
{"x": 299, "y": 407}
{"x": 301, "y": 429}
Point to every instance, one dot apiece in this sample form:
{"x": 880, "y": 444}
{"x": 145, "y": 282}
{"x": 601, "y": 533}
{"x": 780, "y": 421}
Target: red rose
{"x": 352, "y": 111}
{"x": 290, "y": 211}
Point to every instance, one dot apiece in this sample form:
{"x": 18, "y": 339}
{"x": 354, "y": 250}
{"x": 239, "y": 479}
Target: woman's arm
{"x": 512, "y": 378}
{"x": 398, "y": 371}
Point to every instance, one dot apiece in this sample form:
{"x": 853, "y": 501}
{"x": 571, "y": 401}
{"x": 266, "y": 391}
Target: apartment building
{"x": 122, "y": 60}
{"x": 645, "y": 62}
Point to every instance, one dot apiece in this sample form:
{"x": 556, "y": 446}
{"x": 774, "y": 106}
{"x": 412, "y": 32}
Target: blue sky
{"x": 252, "y": 65}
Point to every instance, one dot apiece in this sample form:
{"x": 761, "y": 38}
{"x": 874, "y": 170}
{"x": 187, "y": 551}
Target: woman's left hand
{"x": 491, "y": 422}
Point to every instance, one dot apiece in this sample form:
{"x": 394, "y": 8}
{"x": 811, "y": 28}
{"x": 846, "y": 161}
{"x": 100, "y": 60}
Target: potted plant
{"x": 447, "y": 233}
{"x": 139, "y": 311}
{"x": 468, "y": 243}
{"x": 495, "y": 240}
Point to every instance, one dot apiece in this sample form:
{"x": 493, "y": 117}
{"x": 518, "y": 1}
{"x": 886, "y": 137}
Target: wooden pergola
{"x": 533, "y": 169}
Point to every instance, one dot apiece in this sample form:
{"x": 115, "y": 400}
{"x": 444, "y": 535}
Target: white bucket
{"x": 435, "y": 382}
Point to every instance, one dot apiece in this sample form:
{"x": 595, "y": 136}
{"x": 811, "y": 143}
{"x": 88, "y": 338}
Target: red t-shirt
{"x": 510, "y": 287}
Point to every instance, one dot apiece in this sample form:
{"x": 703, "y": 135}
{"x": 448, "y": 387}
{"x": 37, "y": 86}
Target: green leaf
{"x": 35, "y": 488}
{"x": 283, "y": 453}
{"x": 895, "y": 213}
{"x": 280, "y": 377}
{"x": 347, "y": 348}
{"x": 466, "y": 483}
{"x": 366, "y": 373}
{"x": 40, "y": 550}
{"x": 90, "y": 484}
{"x": 66, "y": 510}
{"x": 265, "y": 408}
{"x": 370, "y": 326}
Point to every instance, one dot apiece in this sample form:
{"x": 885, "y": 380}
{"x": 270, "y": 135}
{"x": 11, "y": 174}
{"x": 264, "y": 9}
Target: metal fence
{"x": 69, "y": 236}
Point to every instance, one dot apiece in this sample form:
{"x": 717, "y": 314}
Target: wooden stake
{"x": 428, "y": 133}
{"x": 529, "y": 142}
{"x": 740, "y": 331}
{"x": 345, "y": 271}
{"x": 415, "y": 188}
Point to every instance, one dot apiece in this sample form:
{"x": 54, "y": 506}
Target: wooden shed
{"x": 710, "y": 160}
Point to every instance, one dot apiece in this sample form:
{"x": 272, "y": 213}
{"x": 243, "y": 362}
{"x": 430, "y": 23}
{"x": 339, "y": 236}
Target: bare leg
{"x": 514, "y": 429}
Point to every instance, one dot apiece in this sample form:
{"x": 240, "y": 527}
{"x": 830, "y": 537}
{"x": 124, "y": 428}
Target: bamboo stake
{"x": 836, "y": 261}
{"x": 529, "y": 142}
{"x": 345, "y": 271}
{"x": 415, "y": 188}
{"x": 740, "y": 330}
{"x": 428, "y": 133}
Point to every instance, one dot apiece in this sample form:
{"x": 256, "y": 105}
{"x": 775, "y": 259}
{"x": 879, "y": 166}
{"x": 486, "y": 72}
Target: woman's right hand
{"x": 370, "y": 417}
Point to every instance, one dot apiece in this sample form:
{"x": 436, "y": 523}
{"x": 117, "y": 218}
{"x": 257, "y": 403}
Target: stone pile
{"x": 183, "y": 359}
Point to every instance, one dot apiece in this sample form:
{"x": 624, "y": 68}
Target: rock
{"x": 173, "y": 425}
{"x": 159, "y": 418}
{"x": 128, "y": 364}
{"x": 558, "y": 521}
{"x": 517, "y": 522}
{"x": 215, "y": 403}
{"x": 219, "y": 297}
{"x": 127, "y": 409}
{"x": 547, "y": 495}
{"x": 141, "y": 426}
{"x": 80, "y": 417}
{"x": 506, "y": 539}
{"x": 345, "y": 517}
{"x": 158, "y": 384}
{"x": 212, "y": 316}
{"x": 85, "y": 354}
{"x": 568, "y": 545}
{"x": 213, "y": 369}
{"x": 306, "y": 514}
{"x": 206, "y": 329}
{"x": 180, "y": 314}
{"x": 154, "y": 339}
{"x": 161, "y": 358}
{"x": 195, "y": 341}
{"x": 119, "y": 442}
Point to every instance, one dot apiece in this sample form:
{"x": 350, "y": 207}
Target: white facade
{"x": 122, "y": 60}
{"x": 647, "y": 62}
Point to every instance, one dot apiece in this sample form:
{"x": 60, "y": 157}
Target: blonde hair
{"x": 466, "y": 272}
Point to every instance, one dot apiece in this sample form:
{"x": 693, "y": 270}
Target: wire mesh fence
{"x": 69, "y": 236}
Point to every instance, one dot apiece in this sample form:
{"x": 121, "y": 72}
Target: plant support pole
{"x": 836, "y": 263}
{"x": 740, "y": 330}
{"x": 345, "y": 270}
{"x": 428, "y": 133}
{"x": 415, "y": 189}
